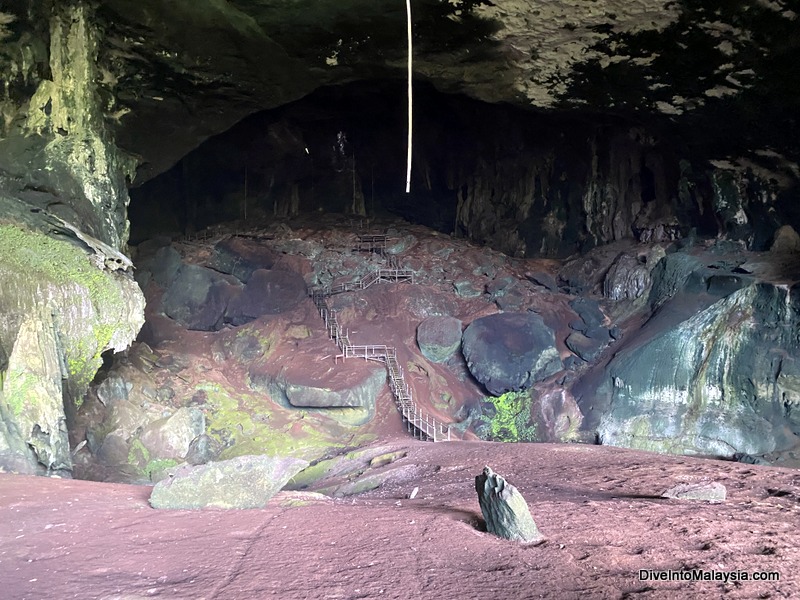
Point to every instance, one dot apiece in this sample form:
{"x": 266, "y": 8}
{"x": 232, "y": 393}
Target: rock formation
{"x": 504, "y": 509}
{"x": 240, "y": 483}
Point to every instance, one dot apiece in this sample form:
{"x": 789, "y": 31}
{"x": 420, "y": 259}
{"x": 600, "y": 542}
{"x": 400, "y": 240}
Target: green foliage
{"x": 512, "y": 419}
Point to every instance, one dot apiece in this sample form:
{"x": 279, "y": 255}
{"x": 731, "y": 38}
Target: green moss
{"x": 512, "y": 419}
{"x": 159, "y": 465}
{"x": 138, "y": 455}
{"x": 248, "y": 424}
{"x": 18, "y": 388}
{"x": 40, "y": 260}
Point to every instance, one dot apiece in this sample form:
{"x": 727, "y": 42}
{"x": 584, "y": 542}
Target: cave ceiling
{"x": 175, "y": 73}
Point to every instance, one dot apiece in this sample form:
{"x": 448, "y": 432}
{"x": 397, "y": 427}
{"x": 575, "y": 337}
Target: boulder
{"x": 361, "y": 391}
{"x": 589, "y": 312}
{"x": 510, "y": 351}
{"x": 203, "y": 449}
{"x": 724, "y": 285}
{"x": 585, "y": 347}
{"x": 629, "y": 276}
{"x": 171, "y": 437}
{"x": 240, "y": 483}
{"x": 670, "y": 275}
{"x": 504, "y": 509}
{"x": 241, "y": 257}
{"x": 164, "y": 266}
{"x": 543, "y": 279}
{"x": 719, "y": 383}
{"x": 267, "y": 293}
{"x": 198, "y": 298}
{"x": 786, "y": 240}
{"x": 439, "y": 337}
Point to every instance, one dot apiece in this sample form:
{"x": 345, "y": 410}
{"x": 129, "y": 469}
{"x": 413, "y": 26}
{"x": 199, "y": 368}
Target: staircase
{"x": 420, "y": 424}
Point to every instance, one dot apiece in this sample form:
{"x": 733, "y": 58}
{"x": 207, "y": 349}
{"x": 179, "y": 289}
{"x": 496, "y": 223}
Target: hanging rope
{"x": 410, "y": 102}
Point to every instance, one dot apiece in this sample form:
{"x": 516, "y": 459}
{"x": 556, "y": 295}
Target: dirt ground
{"x": 599, "y": 508}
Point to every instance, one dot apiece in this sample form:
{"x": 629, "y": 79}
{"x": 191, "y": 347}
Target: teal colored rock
{"x": 504, "y": 509}
{"x": 240, "y": 483}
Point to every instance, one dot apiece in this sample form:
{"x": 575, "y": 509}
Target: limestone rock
{"x": 165, "y": 265}
{"x": 510, "y": 351}
{"x": 629, "y": 275}
{"x": 359, "y": 393}
{"x": 543, "y": 279}
{"x": 240, "y": 483}
{"x": 203, "y": 449}
{"x": 171, "y": 437}
{"x": 786, "y": 240}
{"x": 267, "y": 293}
{"x": 585, "y": 347}
{"x": 504, "y": 509}
{"x": 711, "y": 492}
{"x": 58, "y": 313}
{"x": 439, "y": 337}
{"x": 198, "y": 298}
{"x": 707, "y": 385}
{"x": 670, "y": 275}
{"x": 241, "y": 257}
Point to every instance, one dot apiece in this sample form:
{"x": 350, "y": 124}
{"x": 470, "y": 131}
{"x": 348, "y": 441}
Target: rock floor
{"x": 599, "y": 508}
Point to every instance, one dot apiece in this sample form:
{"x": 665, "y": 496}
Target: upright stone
{"x": 504, "y": 509}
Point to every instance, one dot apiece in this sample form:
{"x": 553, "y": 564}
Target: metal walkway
{"x": 420, "y": 424}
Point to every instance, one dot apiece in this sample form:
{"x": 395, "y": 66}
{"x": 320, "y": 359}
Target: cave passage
{"x": 521, "y": 181}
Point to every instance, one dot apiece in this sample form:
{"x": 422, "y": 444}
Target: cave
{"x": 338, "y": 253}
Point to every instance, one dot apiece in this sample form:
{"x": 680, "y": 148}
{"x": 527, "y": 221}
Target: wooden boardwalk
{"x": 420, "y": 424}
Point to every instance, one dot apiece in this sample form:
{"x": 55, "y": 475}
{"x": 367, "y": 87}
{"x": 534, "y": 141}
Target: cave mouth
{"x": 479, "y": 169}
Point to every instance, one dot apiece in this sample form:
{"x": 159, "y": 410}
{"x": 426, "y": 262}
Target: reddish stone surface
{"x": 598, "y": 507}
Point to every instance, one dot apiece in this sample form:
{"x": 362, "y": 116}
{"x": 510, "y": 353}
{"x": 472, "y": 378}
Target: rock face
{"x": 241, "y": 483}
{"x": 360, "y": 392}
{"x": 510, "y": 351}
{"x": 267, "y": 293}
{"x": 198, "y": 297}
{"x": 171, "y": 437}
{"x": 439, "y": 337}
{"x": 58, "y": 313}
{"x": 240, "y": 258}
{"x": 504, "y": 509}
{"x": 722, "y": 382}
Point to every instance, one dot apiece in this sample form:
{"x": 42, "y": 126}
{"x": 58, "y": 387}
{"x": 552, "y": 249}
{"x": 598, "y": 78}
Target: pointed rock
{"x": 504, "y": 509}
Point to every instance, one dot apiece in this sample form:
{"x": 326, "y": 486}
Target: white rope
{"x": 410, "y": 102}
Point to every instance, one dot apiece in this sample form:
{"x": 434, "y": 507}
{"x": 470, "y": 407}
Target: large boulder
{"x": 670, "y": 276}
{"x": 198, "y": 298}
{"x": 723, "y": 382}
{"x": 241, "y": 257}
{"x": 243, "y": 482}
{"x": 510, "y": 351}
{"x": 171, "y": 437}
{"x": 361, "y": 393}
{"x": 439, "y": 337}
{"x": 267, "y": 293}
{"x": 629, "y": 275}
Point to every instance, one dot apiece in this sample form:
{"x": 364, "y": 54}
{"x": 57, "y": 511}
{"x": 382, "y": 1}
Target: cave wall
{"x": 68, "y": 294}
{"x": 529, "y": 184}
